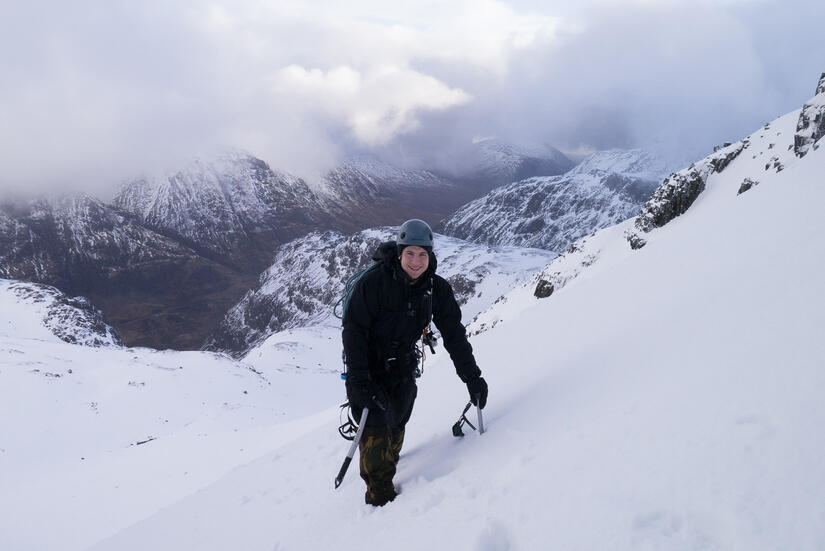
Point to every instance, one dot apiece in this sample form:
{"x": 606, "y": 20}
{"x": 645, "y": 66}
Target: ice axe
{"x": 361, "y": 424}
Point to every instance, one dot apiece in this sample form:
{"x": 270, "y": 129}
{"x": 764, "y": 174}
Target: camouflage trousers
{"x": 381, "y": 442}
{"x": 380, "y": 449}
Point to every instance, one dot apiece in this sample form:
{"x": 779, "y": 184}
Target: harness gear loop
{"x": 428, "y": 339}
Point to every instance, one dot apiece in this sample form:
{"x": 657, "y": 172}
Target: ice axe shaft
{"x": 361, "y": 424}
{"x": 480, "y": 419}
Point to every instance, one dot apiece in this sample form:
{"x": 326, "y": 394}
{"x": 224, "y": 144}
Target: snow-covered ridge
{"x": 308, "y": 275}
{"x": 552, "y": 212}
{"x": 632, "y": 163}
{"x": 34, "y": 311}
{"x": 767, "y": 151}
{"x": 508, "y": 160}
{"x": 378, "y": 173}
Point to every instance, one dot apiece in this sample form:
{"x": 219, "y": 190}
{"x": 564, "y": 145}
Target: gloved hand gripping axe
{"x": 457, "y": 432}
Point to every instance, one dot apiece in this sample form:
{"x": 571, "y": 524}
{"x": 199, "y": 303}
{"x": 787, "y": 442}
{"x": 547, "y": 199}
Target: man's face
{"x": 414, "y": 261}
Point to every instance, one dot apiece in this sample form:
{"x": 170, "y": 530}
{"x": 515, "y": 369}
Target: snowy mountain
{"x": 235, "y": 207}
{"x": 41, "y": 237}
{"x": 552, "y": 212}
{"x": 42, "y": 312}
{"x": 154, "y": 289}
{"x": 364, "y": 192}
{"x": 495, "y": 162}
{"x": 667, "y": 396}
{"x": 308, "y": 276}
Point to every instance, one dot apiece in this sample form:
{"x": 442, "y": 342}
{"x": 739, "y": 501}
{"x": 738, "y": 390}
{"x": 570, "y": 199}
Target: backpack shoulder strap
{"x": 349, "y": 287}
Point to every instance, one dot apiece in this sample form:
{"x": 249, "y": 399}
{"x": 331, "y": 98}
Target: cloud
{"x": 376, "y": 106}
{"x": 94, "y": 92}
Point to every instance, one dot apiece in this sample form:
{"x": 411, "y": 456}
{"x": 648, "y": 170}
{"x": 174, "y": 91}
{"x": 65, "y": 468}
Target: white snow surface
{"x": 664, "y": 398}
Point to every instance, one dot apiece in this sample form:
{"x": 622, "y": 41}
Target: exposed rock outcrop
{"x": 679, "y": 190}
{"x": 811, "y": 125}
{"x": 747, "y": 183}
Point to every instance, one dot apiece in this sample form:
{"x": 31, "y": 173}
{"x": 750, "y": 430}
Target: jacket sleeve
{"x": 357, "y": 324}
{"x": 447, "y": 318}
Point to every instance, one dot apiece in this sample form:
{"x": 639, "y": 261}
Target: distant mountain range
{"x": 172, "y": 253}
{"x": 365, "y": 192}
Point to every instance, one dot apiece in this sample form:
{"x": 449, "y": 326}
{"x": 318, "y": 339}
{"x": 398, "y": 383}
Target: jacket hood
{"x": 387, "y": 255}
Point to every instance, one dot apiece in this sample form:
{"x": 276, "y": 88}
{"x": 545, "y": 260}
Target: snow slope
{"x": 666, "y": 398}
{"x": 94, "y": 438}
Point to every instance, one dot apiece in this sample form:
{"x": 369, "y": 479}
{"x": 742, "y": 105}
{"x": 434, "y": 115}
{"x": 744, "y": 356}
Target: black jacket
{"x": 387, "y": 314}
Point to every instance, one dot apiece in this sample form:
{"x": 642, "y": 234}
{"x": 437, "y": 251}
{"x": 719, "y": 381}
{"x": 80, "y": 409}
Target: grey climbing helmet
{"x": 415, "y": 232}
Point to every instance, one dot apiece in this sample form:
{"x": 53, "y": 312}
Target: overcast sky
{"x": 92, "y": 93}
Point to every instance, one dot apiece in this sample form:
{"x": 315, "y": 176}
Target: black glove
{"x": 478, "y": 391}
{"x": 363, "y": 393}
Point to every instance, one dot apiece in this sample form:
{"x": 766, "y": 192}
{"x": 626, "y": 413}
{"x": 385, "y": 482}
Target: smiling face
{"x": 414, "y": 261}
